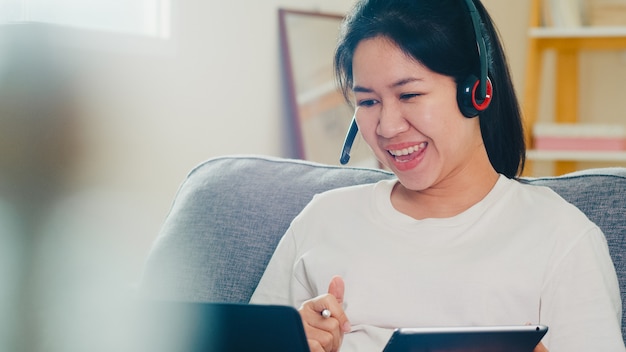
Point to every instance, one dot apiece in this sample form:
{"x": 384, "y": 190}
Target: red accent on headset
{"x": 482, "y": 106}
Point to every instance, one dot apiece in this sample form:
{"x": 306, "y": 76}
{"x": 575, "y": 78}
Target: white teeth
{"x": 407, "y": 151}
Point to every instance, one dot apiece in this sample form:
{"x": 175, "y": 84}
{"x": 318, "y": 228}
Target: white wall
{"x": 97, "y": 131}
{"x": 213, "y": 89}
{"x": 139, "y": 113}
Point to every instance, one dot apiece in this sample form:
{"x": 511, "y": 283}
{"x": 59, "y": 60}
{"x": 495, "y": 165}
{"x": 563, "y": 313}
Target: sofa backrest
{"x": 226, "y": 221}
{"x": 230, "y": 213}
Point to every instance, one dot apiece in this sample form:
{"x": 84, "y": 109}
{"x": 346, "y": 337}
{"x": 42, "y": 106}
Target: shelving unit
{"x": 567, "y": 43}
{"x": 573, "y": 156}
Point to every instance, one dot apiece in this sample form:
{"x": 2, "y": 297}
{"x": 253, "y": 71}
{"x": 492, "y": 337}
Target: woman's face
{"x": 409, "y": 116}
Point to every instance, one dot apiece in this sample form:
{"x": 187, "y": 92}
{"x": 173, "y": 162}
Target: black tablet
{"x": 467, "y": 339}
{"x": 217, "y": 327}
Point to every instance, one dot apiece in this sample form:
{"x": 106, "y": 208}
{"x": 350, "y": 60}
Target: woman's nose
{"x": 391, "y": 122}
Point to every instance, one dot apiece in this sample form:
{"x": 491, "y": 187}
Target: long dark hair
{"x": 439, "y": 34}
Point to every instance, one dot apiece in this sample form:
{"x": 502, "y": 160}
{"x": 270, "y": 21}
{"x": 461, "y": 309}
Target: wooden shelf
{"x": 576, "y": 32}
{"x": 567, "y": 155}
{"x": 567, "y": 43}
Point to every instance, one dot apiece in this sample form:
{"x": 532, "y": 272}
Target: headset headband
{"x": 482, "y": 48}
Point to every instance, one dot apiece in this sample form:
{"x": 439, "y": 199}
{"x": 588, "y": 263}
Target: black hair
{"x": 439, "y": 34}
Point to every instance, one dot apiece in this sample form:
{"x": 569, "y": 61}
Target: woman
{"x": 454, "y": 240}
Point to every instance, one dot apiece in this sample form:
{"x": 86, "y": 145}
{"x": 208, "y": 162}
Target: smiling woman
{"x": 454, "y": 239}
{"x": 140, "y": 17}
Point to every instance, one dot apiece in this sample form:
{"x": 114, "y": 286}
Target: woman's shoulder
{"x": 535, "y": 192}
{"x": 354, "y": 192}
{"x": 337, "y": 200}
{"x": 543, "y": 199}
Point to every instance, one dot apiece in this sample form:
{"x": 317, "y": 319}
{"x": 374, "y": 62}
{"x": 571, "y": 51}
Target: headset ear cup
{"x": 466, "y": 97}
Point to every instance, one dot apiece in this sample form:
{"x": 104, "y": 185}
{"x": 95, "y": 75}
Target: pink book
{"x": 581, "y": 137}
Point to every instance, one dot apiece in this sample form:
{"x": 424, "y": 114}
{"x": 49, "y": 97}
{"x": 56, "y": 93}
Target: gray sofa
{"x": 230, "y": 213}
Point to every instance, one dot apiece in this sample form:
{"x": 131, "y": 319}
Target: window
{"x": 141, "y": 17}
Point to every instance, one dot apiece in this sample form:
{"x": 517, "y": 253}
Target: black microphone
{"x": 347, "y": 144}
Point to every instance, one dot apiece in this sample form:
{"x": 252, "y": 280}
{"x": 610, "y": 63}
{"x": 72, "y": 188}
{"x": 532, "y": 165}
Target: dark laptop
{"x": 223, "y": 327}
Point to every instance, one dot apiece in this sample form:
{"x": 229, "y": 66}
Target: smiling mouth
{"x": 406, "y": 154}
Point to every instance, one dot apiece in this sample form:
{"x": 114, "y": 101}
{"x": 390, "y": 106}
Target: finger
{"x": 540, "y": 348}
{"x": 337, "y": 288}
{"x": 320, "y": 303}
{"x": 315, "y": 346}
{"x": 327, "y": 331}
{"x": 320, "y": 340}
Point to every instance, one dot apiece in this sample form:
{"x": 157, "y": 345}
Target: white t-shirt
{"x": 520, "y": 255}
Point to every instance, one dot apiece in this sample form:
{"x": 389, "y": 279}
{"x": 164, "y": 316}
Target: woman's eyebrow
{"x": 360, "y": 89}
{"x": 399, "y": 83}
{"x": 405, "y": 81}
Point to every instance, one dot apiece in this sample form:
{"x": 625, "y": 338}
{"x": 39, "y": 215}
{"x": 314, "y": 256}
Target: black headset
{"x": 473, "y": 95}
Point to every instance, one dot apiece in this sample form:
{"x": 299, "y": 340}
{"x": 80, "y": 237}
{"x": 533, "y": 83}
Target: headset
{"x": 473, "y": 95}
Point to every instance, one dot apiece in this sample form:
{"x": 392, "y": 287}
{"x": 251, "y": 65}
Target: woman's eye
{"x": 366, "y": 103}
{"x": 409, "y": 96}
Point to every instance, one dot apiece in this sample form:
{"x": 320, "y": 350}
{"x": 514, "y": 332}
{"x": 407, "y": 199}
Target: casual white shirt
{"x": 520, "y": 255}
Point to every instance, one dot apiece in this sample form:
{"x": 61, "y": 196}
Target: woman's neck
{"x": 451, "y": 196}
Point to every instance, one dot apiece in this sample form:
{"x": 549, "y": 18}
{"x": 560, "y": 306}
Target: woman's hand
{"x": 326, "y": 334}
{"x": 540, "y": 348}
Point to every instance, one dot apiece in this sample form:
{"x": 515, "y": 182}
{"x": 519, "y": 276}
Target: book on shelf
{"x": 606, "y": 12}
{"x": 579, "y": 136}
{"x": 563, "y": 13}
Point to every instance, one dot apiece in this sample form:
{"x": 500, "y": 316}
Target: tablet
{"x": 217, "y": 327}
{"x": 467, "y": 339}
